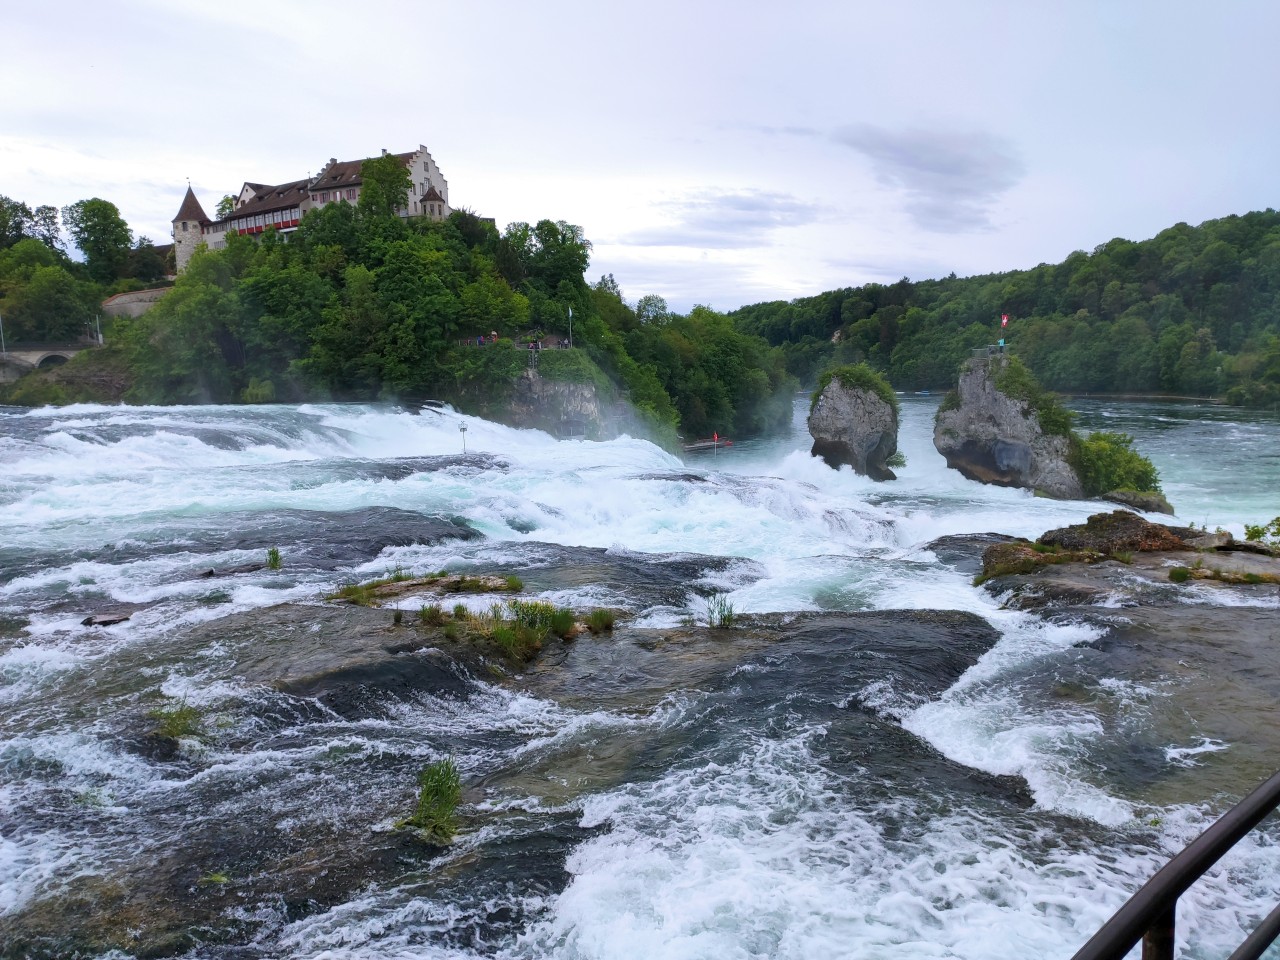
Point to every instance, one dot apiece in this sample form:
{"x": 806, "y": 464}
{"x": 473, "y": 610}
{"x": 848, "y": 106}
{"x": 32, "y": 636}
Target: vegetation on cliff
{"x": 856, "y": 376}
{"x": 1104, "y": 461}
{"x": 1194, "y": 310}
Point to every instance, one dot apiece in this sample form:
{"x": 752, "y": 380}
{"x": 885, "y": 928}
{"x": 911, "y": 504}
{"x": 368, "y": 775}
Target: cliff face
{"x": 993, "y": 438}
{"x": 855, "y": 427}
{"x": 559, "y": 407}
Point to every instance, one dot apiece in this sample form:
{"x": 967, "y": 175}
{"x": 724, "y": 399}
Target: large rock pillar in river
{"x": 852, "y": 423}
{"x": 995, "y": 438}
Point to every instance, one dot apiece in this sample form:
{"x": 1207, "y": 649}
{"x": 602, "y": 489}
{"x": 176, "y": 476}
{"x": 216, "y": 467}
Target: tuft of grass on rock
{"x": 177, "y": 722}
{"x": 439, "y": 792}
{"x": 432, "y": 615}
{"x": 600, "y": 621}
{"x": 720, "y": 612}
{"x": 1180, "y": 574}
{"x": 514, "y": 583}
{"x": 273, "y": 559}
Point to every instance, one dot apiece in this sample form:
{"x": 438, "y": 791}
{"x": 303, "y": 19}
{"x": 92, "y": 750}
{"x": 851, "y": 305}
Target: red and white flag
{"x": 1004, "y": 320}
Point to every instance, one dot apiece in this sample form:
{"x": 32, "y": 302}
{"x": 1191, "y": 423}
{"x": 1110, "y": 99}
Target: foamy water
{"x": 754, "y": 843}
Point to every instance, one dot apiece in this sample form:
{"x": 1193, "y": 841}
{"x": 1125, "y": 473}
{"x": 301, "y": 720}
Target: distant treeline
{"x": 1194, "y": 311}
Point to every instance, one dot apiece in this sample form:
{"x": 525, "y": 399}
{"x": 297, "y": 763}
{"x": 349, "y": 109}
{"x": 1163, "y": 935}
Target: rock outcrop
{"x": 559, "y": 407}
{"x": 997, "y": 439}
{"x": 1150, "y": 502}
{"x": 854, "y": 426}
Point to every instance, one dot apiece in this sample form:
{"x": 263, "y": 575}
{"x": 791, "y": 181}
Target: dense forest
{"x": 1193, "y": 311}
{"x": 362, "y": 304}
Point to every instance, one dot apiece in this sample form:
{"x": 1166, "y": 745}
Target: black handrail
{"x": 1149, "y": 914}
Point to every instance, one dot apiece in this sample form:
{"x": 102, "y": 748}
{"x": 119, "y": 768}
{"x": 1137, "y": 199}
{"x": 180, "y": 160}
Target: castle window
{"x": 184, "y": 226}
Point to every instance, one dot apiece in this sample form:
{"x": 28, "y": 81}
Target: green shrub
{"x": 177, "y": 722}
{"x": 600, "y": 621}
{"x": 1179, "y": 574}
{"x": 273, "y": 559}
{"x": 857, "y": 376}
{"x": 1016, "y": 381}
{"x": 431, "y": 614}
{"x": 1106, "y": 461}
{"x": 258, "y": 391}
{"x": 1263, "y": 532}
{"x": 439, "y": 793}
{"x": 899, "y": 459}
{"x": 514, "y": 583}
{"x": 460, "y": 611}
{"x": 397, "y": 617}
{"x": 950, "y": 402}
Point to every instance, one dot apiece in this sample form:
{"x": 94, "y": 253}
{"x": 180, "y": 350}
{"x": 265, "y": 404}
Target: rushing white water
{"x": 750, "y": 838}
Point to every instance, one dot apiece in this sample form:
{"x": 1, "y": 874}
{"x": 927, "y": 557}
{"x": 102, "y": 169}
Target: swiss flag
{"x": 1004, "y": 320}
{"x": 715, "y": 437}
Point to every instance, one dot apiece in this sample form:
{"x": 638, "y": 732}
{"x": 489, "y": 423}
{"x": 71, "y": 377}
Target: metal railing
{"x": 1150, "y": 914}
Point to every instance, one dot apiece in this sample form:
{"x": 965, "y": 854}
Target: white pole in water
{"x": 463, "y": 430}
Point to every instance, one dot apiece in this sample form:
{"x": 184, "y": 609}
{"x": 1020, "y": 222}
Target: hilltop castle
{"x": 282, "y": 206}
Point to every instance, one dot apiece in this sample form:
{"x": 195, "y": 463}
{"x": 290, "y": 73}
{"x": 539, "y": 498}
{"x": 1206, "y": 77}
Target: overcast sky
{"x": 713, "y": 152}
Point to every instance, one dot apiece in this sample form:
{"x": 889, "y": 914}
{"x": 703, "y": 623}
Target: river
{"x": 980, "y": 785}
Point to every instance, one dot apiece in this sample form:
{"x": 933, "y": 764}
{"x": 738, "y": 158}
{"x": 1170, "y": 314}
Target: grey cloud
{"x": 951, "y": 179}
{"x": 684, "y": 283}
{"x": 723, "y": 220}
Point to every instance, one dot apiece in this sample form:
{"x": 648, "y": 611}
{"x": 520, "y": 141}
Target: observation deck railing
{"x": 1150, "y": 914}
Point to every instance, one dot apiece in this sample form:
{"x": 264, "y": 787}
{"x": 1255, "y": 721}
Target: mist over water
{"x": 805, "y": 797}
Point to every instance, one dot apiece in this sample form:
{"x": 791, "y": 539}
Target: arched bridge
{"x": 22, "y": 357}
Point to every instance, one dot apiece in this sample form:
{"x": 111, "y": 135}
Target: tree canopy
{"x": 1192, "y": 311}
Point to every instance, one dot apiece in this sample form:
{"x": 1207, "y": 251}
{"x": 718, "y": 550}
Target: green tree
{"x": 102, "y": 236}
{"x": 15, "y": 222}
{"x": 226, "y": 207}
{"x": 51, "y": 305}
{"x": 384, "y": 189}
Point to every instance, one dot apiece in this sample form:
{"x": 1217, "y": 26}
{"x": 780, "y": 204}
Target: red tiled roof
{"x": 267, "y": 199}
{"x": 346, "y": 173}
{"x": 191, "y": 209}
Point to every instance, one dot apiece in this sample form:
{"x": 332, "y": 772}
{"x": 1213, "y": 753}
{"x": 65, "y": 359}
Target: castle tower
{"x": 188, "y": 229}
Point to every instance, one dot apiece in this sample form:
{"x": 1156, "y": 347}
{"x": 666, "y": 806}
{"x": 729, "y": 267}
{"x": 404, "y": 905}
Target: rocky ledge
{"x": 1115, "y": 559}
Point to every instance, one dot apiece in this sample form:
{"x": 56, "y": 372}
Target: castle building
{"x": 283, "y": 205}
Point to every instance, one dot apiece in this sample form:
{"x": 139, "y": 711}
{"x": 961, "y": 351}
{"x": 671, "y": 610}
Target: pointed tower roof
{"x": 191, "y": 209}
